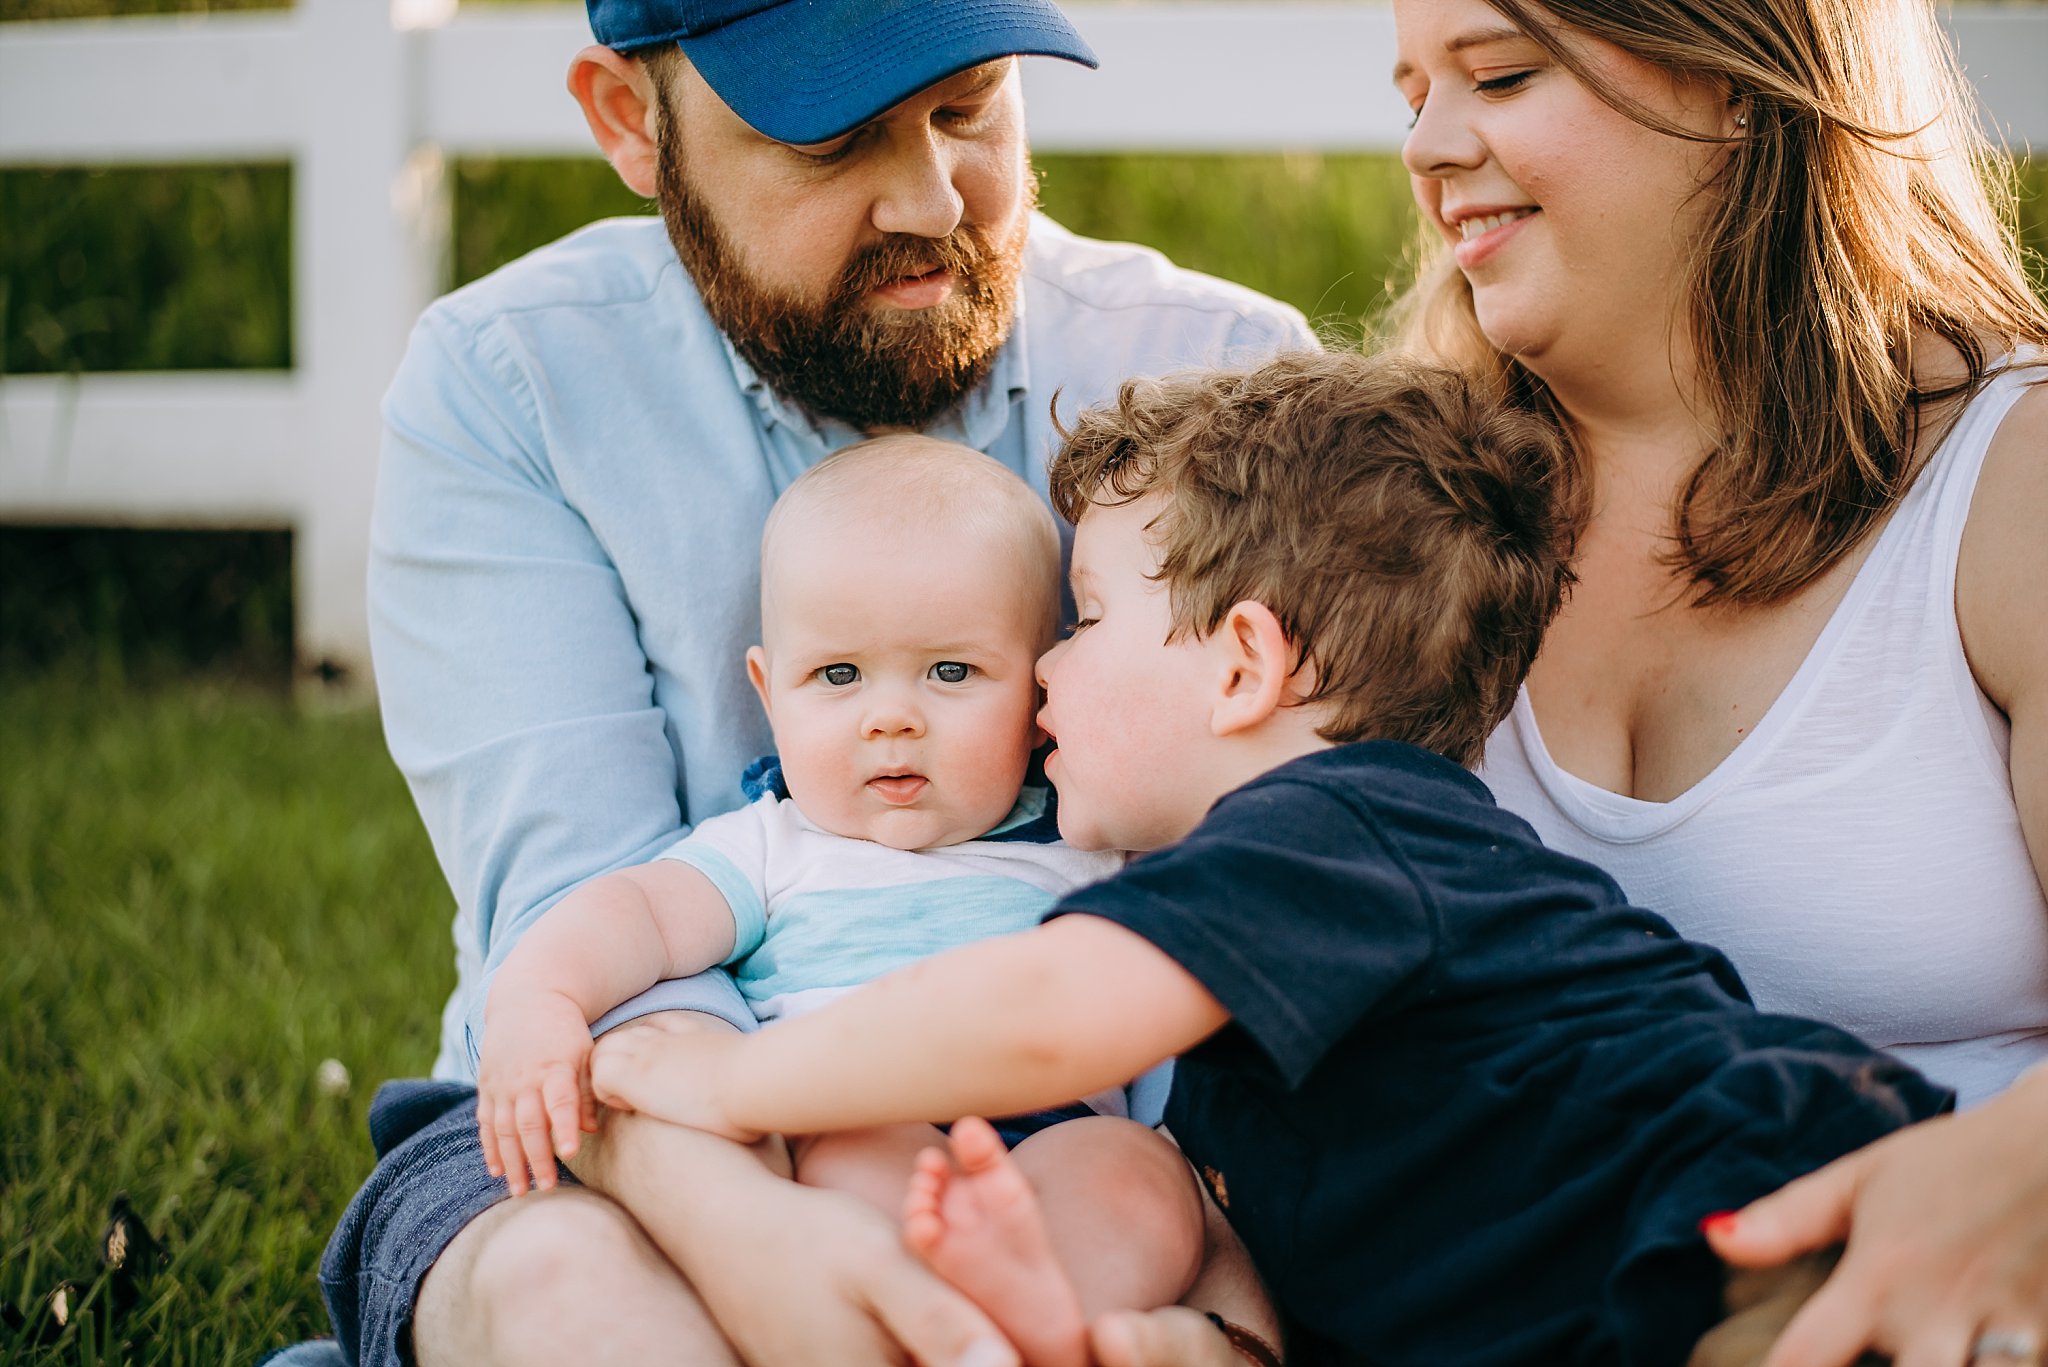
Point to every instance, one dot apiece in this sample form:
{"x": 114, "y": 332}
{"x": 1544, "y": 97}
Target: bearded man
{"x": 580, "y": 453}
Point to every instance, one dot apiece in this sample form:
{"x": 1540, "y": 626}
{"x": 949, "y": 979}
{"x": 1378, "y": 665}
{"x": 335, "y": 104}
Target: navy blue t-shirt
{"x": 1471, "y": 1105}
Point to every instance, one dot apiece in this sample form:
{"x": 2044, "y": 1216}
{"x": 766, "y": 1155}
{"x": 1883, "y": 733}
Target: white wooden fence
{"x": 366, "y": 103}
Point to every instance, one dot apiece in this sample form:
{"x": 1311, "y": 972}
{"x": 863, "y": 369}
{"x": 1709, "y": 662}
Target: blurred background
{"x": 222, "y": 924}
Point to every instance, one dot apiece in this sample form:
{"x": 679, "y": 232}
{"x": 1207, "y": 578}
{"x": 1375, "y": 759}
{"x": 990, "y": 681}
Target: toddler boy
{"x": 908, "y": 587}
{"x": 1463, "y": 1104}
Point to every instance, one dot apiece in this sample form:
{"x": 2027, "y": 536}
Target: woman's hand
{"x": 1946, "y": 1233}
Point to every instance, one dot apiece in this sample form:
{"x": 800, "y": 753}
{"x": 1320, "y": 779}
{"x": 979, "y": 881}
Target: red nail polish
{"x": 1720, "y": 1222}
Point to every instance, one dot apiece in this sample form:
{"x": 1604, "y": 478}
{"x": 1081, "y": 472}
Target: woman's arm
{"x": 2002, "y": 602}
{"x": 1006, "y": 1025}
{"x": 1946, "y": 1224}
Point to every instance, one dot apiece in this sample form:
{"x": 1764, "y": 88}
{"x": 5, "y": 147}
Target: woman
{"x": 1798, "y": 703}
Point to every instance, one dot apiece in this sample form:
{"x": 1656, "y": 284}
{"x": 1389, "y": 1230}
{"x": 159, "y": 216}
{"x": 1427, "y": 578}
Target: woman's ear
{"x": 617, "y": 95}
{"x": 1256, "y": 666}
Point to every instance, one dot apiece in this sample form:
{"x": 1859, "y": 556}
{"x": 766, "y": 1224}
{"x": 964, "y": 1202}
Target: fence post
{"x": 368, "y": 236}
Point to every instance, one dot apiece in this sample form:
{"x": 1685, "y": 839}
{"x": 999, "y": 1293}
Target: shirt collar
{"x": 978, "y": 420}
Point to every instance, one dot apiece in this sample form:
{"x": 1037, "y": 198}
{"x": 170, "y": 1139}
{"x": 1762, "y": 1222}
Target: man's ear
{"x": 618, "y": 98}
{"x": 757, "y": 675}
{"x": 1255, "y": 665}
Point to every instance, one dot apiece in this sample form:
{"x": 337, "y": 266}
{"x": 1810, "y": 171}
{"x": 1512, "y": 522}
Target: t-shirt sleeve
{"x": 732, "y": 851}
{"x": 1290, "y": 906}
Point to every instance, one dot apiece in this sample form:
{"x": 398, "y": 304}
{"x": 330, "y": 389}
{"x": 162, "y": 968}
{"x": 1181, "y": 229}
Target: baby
{"x": 1464, "y": 1105}
{"x": 908, "y": 588}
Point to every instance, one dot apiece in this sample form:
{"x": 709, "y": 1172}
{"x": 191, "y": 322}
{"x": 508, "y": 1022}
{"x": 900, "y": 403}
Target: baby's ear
{"x": 757, "y": 675}
{"x": 1255, "y": 663}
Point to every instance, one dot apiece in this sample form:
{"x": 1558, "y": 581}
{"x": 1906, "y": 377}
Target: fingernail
{"x": 985, "y": 1352}
{"x": 1720, "y": 1222}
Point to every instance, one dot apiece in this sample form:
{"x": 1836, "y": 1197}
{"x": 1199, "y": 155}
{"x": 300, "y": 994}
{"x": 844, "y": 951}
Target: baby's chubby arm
{"x": 1000, "y": 1027}
{"x": 609, "y": 939}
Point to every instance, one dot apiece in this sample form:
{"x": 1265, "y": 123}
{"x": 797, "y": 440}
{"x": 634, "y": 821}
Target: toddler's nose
{"x": 1043, "y": 669}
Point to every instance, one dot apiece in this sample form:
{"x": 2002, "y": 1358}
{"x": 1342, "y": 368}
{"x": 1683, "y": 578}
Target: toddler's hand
{"x": 667, "y": 1075}
{"x": 533, "y": 1087}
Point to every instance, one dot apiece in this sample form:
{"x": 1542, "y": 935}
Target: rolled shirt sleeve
{"x": 517, "y": 698}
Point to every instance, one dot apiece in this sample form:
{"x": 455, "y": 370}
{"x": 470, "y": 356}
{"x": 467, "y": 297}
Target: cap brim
{"x": 806, "y": 73}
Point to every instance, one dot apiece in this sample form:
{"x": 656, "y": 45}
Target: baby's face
{"x": 1128, "y": 710}
{"x": 898, "y": 680}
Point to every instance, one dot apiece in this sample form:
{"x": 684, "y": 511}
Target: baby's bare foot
{"x": 982, "y": 1230}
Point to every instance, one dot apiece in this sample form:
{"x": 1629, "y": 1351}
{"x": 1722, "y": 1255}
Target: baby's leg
{"x": 1089, "y": 1216}
{"x": 874, "y": 1164}
{"x": 1122, "y": 1208}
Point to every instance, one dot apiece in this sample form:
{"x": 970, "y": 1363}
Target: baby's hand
{"x": 533, "y": 1087}
{"x": 668, "y": 1075}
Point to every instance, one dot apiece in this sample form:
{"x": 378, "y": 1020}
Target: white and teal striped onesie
{"x": 816, "y": 914}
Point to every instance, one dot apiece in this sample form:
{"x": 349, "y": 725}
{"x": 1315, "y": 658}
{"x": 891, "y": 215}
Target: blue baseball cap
{"x": 806, "y": 71}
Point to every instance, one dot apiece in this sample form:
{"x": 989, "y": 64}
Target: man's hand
{"x": 533, "y": 1096}
{"x": 791, "y": 1274}
{"x": 1946, "y": 1230}
{"x": 669, "y": 1075}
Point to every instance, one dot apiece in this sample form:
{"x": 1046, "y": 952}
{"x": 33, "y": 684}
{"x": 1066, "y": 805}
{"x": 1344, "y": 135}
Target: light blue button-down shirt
{"x": 564, "y": 566}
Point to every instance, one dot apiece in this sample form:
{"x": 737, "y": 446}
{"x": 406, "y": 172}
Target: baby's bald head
{"x": 908, "y": 492}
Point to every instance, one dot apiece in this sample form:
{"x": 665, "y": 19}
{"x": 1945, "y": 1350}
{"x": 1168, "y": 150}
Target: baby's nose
{"x": 893, "y": 717}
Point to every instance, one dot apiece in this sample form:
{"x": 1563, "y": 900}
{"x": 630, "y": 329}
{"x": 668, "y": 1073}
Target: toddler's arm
{"x": 611, "y": 938}
{"x": 1007, "y": 1025}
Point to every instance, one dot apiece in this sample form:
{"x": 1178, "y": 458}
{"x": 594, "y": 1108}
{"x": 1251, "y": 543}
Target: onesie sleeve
{"x": 732, "y": 851}
{"x": 1290, "y": 907}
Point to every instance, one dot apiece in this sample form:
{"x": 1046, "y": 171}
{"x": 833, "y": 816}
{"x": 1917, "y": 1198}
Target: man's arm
{"x": 516, "y": 695}
{"x": 1006, "y": 1025}
{"x": 790, "y": 1273}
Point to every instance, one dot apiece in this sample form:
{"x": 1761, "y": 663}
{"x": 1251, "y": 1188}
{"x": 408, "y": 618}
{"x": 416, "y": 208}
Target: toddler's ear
{"x": 1255, "y": 662}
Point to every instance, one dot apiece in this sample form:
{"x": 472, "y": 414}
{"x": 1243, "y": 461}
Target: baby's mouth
{"x": 898, "y": 789}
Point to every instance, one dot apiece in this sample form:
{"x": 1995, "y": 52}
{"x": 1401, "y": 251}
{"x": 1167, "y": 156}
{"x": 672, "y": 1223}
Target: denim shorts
{"x": 429, "y": 1183}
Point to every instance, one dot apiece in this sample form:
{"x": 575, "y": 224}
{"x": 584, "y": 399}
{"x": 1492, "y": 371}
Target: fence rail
{"x": 367, "y": 103}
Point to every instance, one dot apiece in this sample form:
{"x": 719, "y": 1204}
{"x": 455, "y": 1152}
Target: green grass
{"x": 205, "y": 893}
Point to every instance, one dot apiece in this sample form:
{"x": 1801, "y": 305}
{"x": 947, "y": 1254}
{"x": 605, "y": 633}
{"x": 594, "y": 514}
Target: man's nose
{"x": 918, "y": 196}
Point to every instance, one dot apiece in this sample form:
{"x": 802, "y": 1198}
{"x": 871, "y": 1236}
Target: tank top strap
{"x": 1950, "y": 479}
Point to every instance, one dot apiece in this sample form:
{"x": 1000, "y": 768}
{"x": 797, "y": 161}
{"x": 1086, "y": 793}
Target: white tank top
{"x": 1858, "y": 856}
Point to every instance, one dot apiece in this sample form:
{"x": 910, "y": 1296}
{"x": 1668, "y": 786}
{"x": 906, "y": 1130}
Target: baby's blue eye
{"x": 839, "y": 675}
{"x": 951, "y": 671}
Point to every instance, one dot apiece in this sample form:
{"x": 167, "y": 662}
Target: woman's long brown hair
{"x": 1859, "y": 212}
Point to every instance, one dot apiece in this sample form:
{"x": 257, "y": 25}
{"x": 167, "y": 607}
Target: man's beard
{"x": 842, "y": 358}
